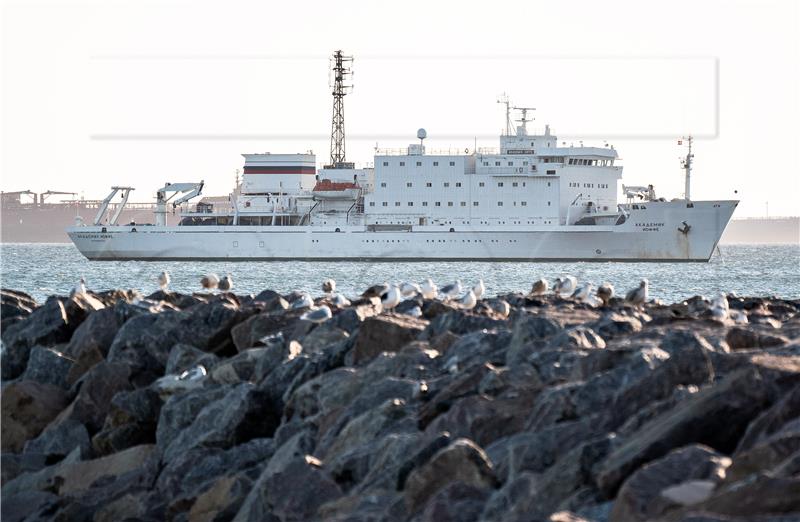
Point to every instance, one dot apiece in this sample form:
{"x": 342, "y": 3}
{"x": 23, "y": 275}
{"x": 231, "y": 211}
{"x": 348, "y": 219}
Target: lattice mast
{"x": 341, "y": 86}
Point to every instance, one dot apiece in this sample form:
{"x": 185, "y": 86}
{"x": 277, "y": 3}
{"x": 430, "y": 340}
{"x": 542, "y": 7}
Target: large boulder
{"x": 642, "y": 497}
{"x": 16, "y": 304}
{"x": 528, "y": 334}
{"x": 80, "y": 476}
{"x": 50, "y": 324}
{"x": 131, "y": 421}
{"x": 61, "y": 439}
{"x": 385, "y": 333}
{"x": 716, "y": 416}
{"x": 90, "y": 343}
{"x": 278, "y": 495}
{"x": 48, "y": 366}
{"x": 244, "y": 413}
{"x": 180, "y": 410}
{"x": 27, "y": 407}
{"x": 461, "y": 461}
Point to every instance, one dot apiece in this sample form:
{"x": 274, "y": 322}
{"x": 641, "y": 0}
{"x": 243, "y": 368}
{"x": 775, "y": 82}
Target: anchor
{"x": 685, "y": 228}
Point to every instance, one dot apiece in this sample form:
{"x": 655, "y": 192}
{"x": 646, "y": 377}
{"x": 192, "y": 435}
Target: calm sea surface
{"x": 45, "y": 269}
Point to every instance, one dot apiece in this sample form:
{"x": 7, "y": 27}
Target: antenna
{"x": 421, "y": 135}
{"x": 524, "y": 120}
{"x": 503, "y": 98}
{"x": 341, "y": 72}
{"x": 687, "y": 165}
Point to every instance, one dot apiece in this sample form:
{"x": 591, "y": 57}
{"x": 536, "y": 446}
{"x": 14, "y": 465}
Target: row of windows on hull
{"x": 449, "y": 203}
{"x": 457, "y": 184}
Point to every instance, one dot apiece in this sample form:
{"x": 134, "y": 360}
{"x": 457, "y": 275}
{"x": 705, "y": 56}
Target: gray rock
{"x": 27, "y": 408}
{"x": 185, "y": 356}
{"x": 90, "y": 343}
{"x": 12, "y": 465}
{"x": 131, "y": 421}
{"x": 60, "y": 440}
{"x": 50, "y": 324}
{"x": 244, "y": 413}
{"x": 461, "y": 461}
{"x": 180, "y": 410}
{"x": 385, "y": 333}
{"x": 716, "y": 417}
{"x": 48, "y": 366}
{"x": 527, "y": 331}
{"x": 194, "y": 470}
{"x": 640, "y": 497}
{"x": 28, "y": 505}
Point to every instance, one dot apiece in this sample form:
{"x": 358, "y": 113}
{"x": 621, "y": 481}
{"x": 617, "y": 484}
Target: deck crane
{"x": 126, "y": 191}
{"x": 189, "y": 191}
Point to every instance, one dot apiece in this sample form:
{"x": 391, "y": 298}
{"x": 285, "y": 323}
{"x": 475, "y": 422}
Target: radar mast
{"x": 341, "y": 74}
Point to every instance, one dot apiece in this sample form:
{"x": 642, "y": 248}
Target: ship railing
{"x": 451, "y": 151}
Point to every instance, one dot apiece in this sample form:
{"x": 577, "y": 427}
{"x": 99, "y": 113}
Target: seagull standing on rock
{"x": 408, "y": 290}
{"x": 163, "y": 280}
{"x": 540, "y": 287}
{"x": 428, "y": 289}
{"x": 209, "y": 282}
{"x": 638, "y": 296}
{"x": 468, "y": 301}
{"x": 339, "y": 300}
{"x": 605, "y": 292}
{"x": 500, "y": 307}
{"x": 317, "y": 315}
{"x": 329, "y": 286}
{"x": 479, "y": 289}
{"x": 452, "y": 290}
{"x": 565, "y": 285}
{"x": 583, "y": 292}
{"x": 391, "y": 298}
{"x": 226, "y": 283}
{"x": 80, "y": 288}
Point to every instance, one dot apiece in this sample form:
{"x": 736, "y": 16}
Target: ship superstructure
{"x": 530, "y": 199}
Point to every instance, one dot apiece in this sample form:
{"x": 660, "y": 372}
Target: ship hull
{"x": 651, "y": 234}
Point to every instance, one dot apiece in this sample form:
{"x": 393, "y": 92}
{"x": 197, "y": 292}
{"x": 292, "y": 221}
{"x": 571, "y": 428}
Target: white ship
{"x": 531, "y": 199}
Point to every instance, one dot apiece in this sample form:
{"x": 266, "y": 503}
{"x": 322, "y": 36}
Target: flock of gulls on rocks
{"x": 391, "y": 295}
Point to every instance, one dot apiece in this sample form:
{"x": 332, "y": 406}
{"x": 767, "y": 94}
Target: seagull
{"x": 428, "y": 289}
{"x": 209, "y": 282}
{"x": 409, "y": 289}
{"x": 339, "y": 300}
{"x": 605, "y": 292}
{"x": 565, "y": 285}
{"x": 638, "y": 296}
{"x": 540, "y": 287}
{"x": 226, "y": 283}
{"x": 583, "y": 292}
{"x": 304, "y": 301}
{"x": 317, "y": 315}
{"x": 479, "y": 289}
{"x": 376, "y": 290}
{"x": 468, "y": 301}
{"x": 329, "y": 286}
{"x": 719, "y": 308}
{"x": 452, "y": 290}
{"x": 163, "y": 280}
{"x": 391, "y": 298}
{"x": 80, "y": 288}
{"x": 500, "y": 307}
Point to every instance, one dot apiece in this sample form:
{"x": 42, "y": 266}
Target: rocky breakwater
{"x": 229, "y": 407}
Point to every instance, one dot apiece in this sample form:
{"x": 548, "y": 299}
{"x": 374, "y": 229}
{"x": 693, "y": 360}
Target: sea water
{"x": 753, "y": 270}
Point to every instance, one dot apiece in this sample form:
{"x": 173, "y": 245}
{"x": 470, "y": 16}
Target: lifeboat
{"x": 327, "y": 189}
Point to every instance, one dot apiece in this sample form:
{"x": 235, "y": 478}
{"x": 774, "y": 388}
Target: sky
{"x": 140, "y": 93}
